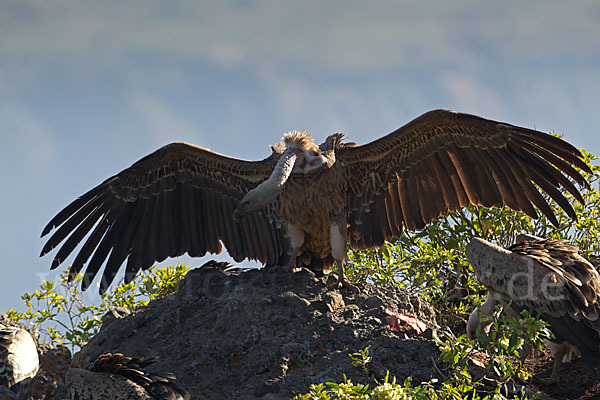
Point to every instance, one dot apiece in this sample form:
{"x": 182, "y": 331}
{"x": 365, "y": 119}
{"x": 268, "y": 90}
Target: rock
{"x": 7, "y": 394}
{"x": 268, "y": 334}
{"x": 49, "y": 383}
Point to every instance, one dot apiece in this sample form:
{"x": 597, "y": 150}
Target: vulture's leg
{"x": 485, "y": 310}
{"x": 561, "y": 349}
{"x": 338, "y": 250}
{"x": 296, "y": 236}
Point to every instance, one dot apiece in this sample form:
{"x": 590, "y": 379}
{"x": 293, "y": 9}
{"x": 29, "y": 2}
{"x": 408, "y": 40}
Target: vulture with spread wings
{"x": 304, "y": 204}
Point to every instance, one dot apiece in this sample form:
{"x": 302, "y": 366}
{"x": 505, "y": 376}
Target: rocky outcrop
{"x": 267, "y": 334}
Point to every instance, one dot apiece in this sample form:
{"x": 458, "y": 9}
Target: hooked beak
{"x": 265, "y": 193}
{"x": 238, "y": 213}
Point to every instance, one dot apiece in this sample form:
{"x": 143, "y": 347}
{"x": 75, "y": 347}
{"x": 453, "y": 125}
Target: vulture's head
{"x": 485, "y": 310}
{"x": 299, "y": 155}
{"x": 310, "y": 156}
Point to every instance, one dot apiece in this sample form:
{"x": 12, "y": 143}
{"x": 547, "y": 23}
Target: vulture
{"x": 117, "y": 377}
{"x": 18, "y": 356}
{"x": 305, "y": 203}
{"x": 547, "y": 276}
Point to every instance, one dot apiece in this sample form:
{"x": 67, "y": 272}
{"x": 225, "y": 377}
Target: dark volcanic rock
{"x": 267, "y": 333}
{"x": 49, "y": 382}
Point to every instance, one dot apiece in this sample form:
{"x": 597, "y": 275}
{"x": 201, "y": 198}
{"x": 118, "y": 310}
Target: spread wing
{"x": 443, "y": 161}
{"x": 177, "y": 200}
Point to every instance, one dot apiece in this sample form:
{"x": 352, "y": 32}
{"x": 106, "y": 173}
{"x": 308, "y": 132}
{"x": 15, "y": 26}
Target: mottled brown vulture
{"x": 304, "y": 204}
{"x": 550, "y": 277}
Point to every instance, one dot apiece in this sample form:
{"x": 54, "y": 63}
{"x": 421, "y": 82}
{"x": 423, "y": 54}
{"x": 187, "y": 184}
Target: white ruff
{"x": 338, "y": 243}
{"x": 296, "y": 236}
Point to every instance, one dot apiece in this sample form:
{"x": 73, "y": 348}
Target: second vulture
{"x": 306, "y": 203}
{"x": 547, "y": 276}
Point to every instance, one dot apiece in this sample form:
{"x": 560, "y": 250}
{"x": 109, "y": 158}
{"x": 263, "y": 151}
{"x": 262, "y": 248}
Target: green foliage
{"x": 501, "y": 343}
{"x": 458, "y": 385}
{"x": 75, "y": 322}
{"x": 163, "y": 281}
{"x": 505, "y": 339}
{"x": 361, "y": 359}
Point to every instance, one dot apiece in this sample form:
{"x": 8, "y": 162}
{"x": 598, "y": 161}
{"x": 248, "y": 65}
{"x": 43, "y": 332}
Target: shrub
{"x": 75, "y": 322}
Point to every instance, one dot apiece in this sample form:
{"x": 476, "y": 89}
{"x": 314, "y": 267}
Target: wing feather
{"x": 394, "y": 205}
{"x": 155, "y": 248}
{"x": 382, "y": 228}
{"x": 184, "y": 194}
{"x": 443, "y": 161}
{"x": 120, "y": 249}
{"x": 490, "y": 192}
{"x": 72, "y": 208}
{"x": 259, "y": 227}
{"x": 87, "y": 249}
{"x": 513, "y": 179}
{"x": 393, "y": 222}
{"x": 178, "y": 199}
{"x": 199, "y": 238}
{"x": 467, "y": 174}
{"x": 543, "y": 154}
{"x": 504, "y": 179}
{"x": 130, "y": 238}
{"x": 424, "y": 192}
{"x": 99, "y": 256}
{"x": 145, "y": 238}
{"x": 452, "y": 173}
{"x": 549, "y": 184}
{"x": 448, "y": 198}
{"x": 75, "y": 238}
{"x": 410, "y": 202}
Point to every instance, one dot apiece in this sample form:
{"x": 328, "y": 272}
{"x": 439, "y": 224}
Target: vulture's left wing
{"x": 443, "y": 161}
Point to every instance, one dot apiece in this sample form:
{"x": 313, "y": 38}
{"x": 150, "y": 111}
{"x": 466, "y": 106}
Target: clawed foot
{"x": 290, "y": 268}
{"x": 343, "y": 282}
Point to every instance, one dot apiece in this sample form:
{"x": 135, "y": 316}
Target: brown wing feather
{"x": 443, "y": 161}
{"x": 178, "y": 199}
{"x": 548, "y": 276}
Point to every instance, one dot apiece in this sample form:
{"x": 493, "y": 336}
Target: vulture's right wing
{"x": 177, "y": 200}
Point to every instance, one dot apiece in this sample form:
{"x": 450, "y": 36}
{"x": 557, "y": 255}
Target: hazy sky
{"x": 87, "y": 87}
